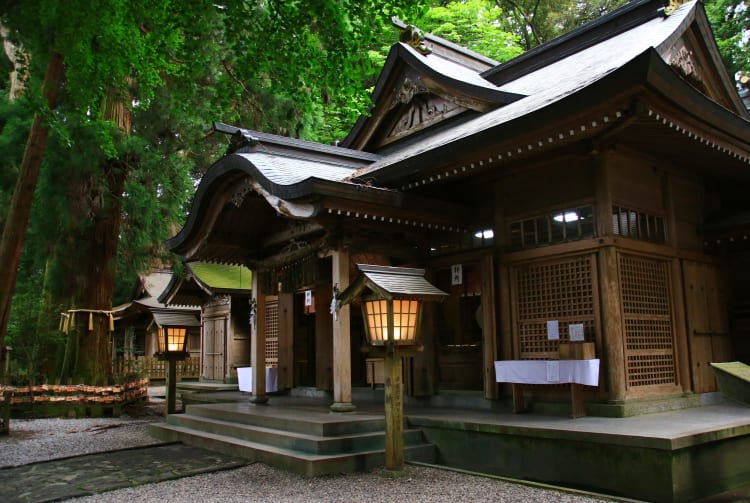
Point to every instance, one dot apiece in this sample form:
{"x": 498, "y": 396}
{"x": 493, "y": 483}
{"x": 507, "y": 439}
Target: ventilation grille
{"x": 560, "y": 290}
{"x": 649, "y": 333}
{"x": 272, "y": 333}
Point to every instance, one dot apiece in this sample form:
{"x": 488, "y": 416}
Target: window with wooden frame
{"x": 635, "y": 224}
{"x": 553, "y": 228}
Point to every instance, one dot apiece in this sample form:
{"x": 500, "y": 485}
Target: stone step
{"x": 305, "y": 442}
{"x": 303, "y": 463}
{"x": 298, "y": 420}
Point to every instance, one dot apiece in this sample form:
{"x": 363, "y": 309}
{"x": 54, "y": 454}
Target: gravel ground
{"x": 42, "y": 439}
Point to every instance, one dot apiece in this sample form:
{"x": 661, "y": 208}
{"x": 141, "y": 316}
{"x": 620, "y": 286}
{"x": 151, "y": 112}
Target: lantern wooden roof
{"x": 392, "y": 283}
{"x": 176, "y": 319}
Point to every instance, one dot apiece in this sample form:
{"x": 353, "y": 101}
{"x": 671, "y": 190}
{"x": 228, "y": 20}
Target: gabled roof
{"x": 624, "y": 64}
{"x": 203, "y": 280}
{"x": 222, "y": 277}
{"x": 639, "y": 75}
{"x": 298, "y": 183}
{"x": 147, "y": 296}
{"x": 446, "y": 88}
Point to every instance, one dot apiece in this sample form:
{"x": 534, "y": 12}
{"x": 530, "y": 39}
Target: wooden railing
{"x": 153, "y": 368}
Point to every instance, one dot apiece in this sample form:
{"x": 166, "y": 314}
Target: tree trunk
{"x": 20, "y": 207}
{"x": 99, "y": 253}
{"x": 93, "y": 364}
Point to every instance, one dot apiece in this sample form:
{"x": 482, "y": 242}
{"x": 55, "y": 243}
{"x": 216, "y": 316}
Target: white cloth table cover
{"x": 548, "y": 371}
{"x": 245, "y": 378}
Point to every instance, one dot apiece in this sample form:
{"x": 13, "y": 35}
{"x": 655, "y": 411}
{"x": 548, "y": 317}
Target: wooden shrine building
{"x": 222, "y": 292}
{"x": 597, "y": 180}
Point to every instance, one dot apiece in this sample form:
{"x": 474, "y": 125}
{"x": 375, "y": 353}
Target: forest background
{"x": 105, "y": 126}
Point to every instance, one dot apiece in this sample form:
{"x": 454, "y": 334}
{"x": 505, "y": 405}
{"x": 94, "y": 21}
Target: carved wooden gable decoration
{"x": 424, "y": 83}
{"x": 413, "y": 108}
{"x": 700, "y": 64}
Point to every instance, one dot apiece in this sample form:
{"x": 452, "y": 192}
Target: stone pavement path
{"x": 95, "y": 473}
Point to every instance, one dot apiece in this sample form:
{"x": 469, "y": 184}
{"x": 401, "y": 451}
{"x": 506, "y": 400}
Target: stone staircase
{"x": 309, "y": 440}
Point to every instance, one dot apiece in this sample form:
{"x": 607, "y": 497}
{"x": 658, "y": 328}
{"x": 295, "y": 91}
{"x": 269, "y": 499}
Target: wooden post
{"x": 171, "y": 395}
{"x": 489, "y": 329}
{"x": 508, "y": 338}
{"x": 323, "y": 338}
{"x": 258, "y": 344}
{"x": 613, "y": 361}
{"x": 286, "y": 340}
{"x": 679, "y": 301}
{"x": 342, "y": 364}
{"x": 394, "y": 413}
{"x": 613, "y": 336}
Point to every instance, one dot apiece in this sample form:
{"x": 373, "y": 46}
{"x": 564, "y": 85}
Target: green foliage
{"x": 730, "y": 21}
{"x": 475, "y": 24}
{"x": 538, "y": 21}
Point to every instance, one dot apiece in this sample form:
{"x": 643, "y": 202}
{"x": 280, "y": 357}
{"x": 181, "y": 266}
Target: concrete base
{"x": 343, "y": 407}
{"x": 675, "y": 456}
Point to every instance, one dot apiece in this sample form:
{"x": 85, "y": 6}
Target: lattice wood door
{"x": 564, "y": 290}
{"x": 647, "y": 317}
{"x": 272, "y": 331}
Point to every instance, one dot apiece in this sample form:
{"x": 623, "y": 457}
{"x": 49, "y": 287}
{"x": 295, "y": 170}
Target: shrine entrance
{"x": 304, "y": 339}
{"x": 459, "y": 330}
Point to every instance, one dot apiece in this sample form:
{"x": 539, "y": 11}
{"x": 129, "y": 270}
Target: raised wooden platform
{"x": 678, "y": 455}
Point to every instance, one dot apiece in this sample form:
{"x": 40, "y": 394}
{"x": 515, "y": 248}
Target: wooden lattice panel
{"x": 272, "y": 333}
{"x": 561, "y": 290}
{"x": 647, "y": 315}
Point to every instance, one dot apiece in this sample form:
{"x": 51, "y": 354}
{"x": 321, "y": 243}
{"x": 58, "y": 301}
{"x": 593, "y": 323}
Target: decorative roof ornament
{"x": 414, "y": 37}
{"x": 683, "y": 60}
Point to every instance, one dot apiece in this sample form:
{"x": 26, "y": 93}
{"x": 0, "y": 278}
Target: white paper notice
{"x": 553, "y": 371}
{"x": 457, "y": 274}
{"x": 575, "y": 332}
{"x": 553, "y": 330}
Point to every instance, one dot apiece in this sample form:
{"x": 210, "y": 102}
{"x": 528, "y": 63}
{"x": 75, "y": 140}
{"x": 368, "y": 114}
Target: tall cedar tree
{"x": 140, "y": 79}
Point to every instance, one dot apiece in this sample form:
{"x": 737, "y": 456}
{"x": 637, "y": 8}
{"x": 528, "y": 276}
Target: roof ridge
{"x": 605, "y": 27}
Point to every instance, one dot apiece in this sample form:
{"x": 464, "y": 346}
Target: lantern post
{"x": 392, "y": 312}
{"x": 172, "y": 348}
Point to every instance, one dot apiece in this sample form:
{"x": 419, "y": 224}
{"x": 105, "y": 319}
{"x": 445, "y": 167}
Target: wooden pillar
{"x": 323, "y": 338}
{"x": 258, "y": 344}
{"x": 507, "y": 335}
{"x": 394, "y": 410}
{"x": 489, "y": 328}
{"x": 612, "y": 330}
{"x": 682, "y": 354}
{"x": 342, "y": 363}
{"x": 679, "y": 302}
{"x": 171, "y": 388}
{"x": 613, "y": 350}
{"x": 286, "y": 340}
{"x": 506, "y": 325}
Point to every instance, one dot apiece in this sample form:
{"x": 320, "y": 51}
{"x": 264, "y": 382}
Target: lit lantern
{"x": 405, "y": 320}
{"x": 172, "y": 340}
{"x": 172, "y": 347}
{"x": 392, "y": 312}
{"x": 393, "y": 308}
